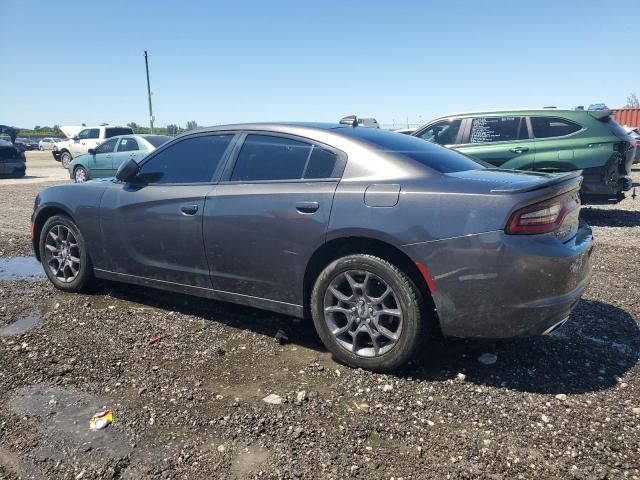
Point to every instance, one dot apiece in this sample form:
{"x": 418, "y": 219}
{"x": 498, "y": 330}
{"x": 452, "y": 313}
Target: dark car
{"x": 12, "y": 160}
{"x": 27, "y": 143}
{"x": 546, "y": 140}
{"x": 381, "y": 238}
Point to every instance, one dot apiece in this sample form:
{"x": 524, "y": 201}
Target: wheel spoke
{"x": 339, "y": 295}
{"x": 337, "y": 309}
{"x": 345, "y": 329}
{"x": 393, "y": 312}
{"x": 51, "y": 248}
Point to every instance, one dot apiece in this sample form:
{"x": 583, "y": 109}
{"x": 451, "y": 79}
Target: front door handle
{"x": 189, "y": 209}
{"x": 307, "y": 207}
{"x": 519, "y": 149}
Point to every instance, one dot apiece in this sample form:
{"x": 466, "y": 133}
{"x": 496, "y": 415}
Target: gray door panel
{"x": 259, "y": 236}
{"x": 156, "y": 232}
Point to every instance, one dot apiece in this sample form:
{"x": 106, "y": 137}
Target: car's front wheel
{"x": 80, "y": 175}
{"x": 64, "y": 255}
{"x": 368, "y": 312}
{"x": 66, "y": 158}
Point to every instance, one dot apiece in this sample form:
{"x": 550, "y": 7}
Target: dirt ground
{"x": 186, "y": 378}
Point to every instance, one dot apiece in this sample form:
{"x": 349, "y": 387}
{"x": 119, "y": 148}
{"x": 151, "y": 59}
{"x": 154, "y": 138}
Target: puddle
{"x": 64, "y": 415}
{"x": 21, "y": 325}
{"x": 248, "y": 460}
{"x": 20, "y": 268}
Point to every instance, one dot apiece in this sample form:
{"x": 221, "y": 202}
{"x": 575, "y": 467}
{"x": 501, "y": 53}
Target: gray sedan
{"x": 381, "y": 238}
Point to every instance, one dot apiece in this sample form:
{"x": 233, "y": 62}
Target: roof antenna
{"x": 351, "y": 121}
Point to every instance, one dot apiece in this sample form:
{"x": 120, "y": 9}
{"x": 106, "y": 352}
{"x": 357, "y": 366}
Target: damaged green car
{"x": 546, "y": 140}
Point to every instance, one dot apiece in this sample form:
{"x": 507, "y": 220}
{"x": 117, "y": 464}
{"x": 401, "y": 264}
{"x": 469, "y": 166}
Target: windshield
{"x": 157, "y": 140}
{"x": 433, "y": 156}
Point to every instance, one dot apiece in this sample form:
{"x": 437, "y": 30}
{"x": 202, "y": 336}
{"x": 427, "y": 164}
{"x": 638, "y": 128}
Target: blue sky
{"x": 69, "y": 62}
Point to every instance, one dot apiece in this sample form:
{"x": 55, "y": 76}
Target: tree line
{"x": 54, "y": 131}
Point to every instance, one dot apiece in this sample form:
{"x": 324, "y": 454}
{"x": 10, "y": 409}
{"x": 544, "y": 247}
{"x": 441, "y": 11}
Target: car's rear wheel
{"x": 66, "y": 158}
{"x": 368, "y": 313}
{"x": 64, "y": 255}
{"x": 80, "y": 175}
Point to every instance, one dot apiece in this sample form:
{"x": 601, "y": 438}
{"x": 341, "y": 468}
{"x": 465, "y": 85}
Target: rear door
{"x": 503, "y": 141}
{"x": 555, "y": 143}
{"x": 269, "y": 214}
{"x": 127, "y": 148}
{"x": 152, "y": 228}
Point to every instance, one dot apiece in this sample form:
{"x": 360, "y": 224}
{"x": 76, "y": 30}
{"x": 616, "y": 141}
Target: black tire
{"x": 84, "y": 277}
{"x": 66, "y": 159}
{"x": 415, "y": 324}
{"x": 83, "y": 174}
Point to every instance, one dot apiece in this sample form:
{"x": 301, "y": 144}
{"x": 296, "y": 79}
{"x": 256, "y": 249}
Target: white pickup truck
{"x": 81, "y": 139}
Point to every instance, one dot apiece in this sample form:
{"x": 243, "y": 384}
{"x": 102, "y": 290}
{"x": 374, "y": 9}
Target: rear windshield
{"x": 113, "y": 131}
{"x": 157, "y": 140}
{"x": 433, "y": 156}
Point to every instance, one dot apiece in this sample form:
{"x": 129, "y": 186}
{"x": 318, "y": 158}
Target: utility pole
{"x": 146, "y": 64}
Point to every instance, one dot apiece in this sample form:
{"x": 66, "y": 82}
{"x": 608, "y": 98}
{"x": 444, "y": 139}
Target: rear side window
{"x": 192, "y": 160}
{"x": 495, "y": 129}
{"x": 127, "y": 145}
{"x": 547, "y": 127}
{"x": 107, "y": 147}
{"x": 114, "y": 131}
{"x": 266, "y": 157}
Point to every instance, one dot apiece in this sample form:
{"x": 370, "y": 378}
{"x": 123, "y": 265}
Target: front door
{"x": 152, "y": 228}
{"x": 502, "y": 141}
{"x": 269, "y": 214}
{"x": 100, "y": 164}
{"x": 86, "y": 139}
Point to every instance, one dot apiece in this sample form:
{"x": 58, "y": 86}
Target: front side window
{"x": 94, "y": 133}
{"x": 547, "y": 127}
{"x": 83, "y": 134}
{"x": 495, "y": 129}
{"x": 265, "y": 157}
{"x": 192, "y": 160}
{"x": 127, "y": 145}
{"x": 107, "y": 147}
{"x": 442, "y": 133}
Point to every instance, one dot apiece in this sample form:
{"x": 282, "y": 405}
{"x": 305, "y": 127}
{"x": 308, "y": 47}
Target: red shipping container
{"x": 627, "y": 116}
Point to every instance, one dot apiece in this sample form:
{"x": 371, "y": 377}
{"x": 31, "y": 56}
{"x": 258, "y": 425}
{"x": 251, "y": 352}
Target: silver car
{"x": 48, "y": 143}
{"x": 381, "y": 238}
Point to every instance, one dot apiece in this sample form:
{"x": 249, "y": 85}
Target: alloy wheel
{"x": 80, "y": 175}
{"x": 362, "y": 312}
{"x": 62, "y": 253}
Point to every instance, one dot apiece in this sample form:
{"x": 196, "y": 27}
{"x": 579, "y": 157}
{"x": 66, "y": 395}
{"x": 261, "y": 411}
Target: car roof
{"x": 518, "y": 111}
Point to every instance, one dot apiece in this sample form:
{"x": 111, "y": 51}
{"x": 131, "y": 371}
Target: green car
{"x": 104, "y": 160}
{"x": 546, "y": 140}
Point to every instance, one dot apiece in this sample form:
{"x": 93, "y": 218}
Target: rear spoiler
{"x": 602, "y": 115}
{"x": 557, "y": 179}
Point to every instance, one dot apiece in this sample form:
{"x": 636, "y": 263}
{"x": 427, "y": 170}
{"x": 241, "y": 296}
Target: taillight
{"x": 542, "y": 217}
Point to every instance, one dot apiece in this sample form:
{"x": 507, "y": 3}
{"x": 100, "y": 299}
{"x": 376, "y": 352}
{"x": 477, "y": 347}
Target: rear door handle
{"x": 307, "y": 207}
{"x": 519, "y": 149}
{"x": 189, "y": 209}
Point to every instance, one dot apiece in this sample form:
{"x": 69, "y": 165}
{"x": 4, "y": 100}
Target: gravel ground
{"x": 186, "y": 379}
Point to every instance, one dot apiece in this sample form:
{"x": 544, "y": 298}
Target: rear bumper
{"x": 494, "y": 285}
{"x": 11, "y": 168}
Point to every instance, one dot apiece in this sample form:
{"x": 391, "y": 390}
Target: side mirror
{"x": 92, "y": 151}
{"x": 128, "y": 171}
{"x": 75, "y": 139}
